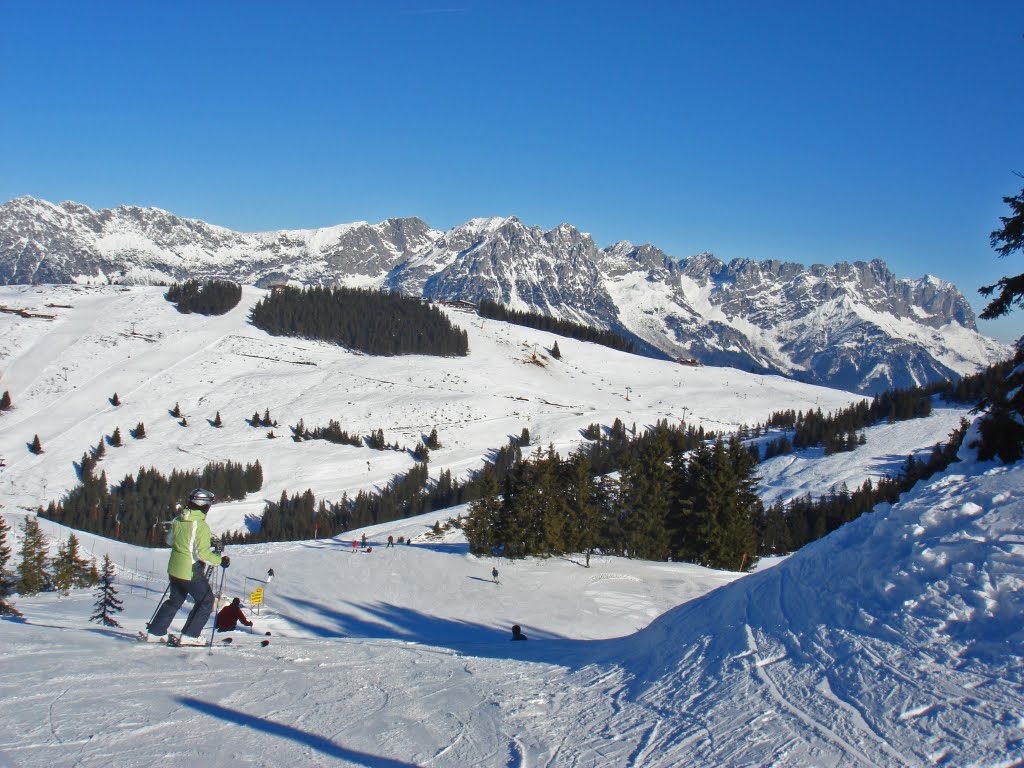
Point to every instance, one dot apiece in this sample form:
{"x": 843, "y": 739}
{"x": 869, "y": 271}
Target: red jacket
{"x": 229, "y": 617}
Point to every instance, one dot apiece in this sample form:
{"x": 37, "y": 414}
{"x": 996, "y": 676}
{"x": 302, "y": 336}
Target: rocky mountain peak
{"x": 850, "y": 325}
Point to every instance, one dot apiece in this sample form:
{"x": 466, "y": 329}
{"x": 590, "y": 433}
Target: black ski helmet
{"x": 201, "y": 497}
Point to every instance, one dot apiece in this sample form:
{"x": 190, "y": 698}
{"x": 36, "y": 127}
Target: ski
{"x": 226, "y": 641}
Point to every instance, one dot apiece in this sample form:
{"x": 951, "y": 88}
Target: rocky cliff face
{"x": 853, "y": 326}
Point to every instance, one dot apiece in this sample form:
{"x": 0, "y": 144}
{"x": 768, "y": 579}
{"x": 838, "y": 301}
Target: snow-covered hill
{"x": 62, "y": 372}
{"x": 849, "y": 326}
{"x": 895, "y": 641}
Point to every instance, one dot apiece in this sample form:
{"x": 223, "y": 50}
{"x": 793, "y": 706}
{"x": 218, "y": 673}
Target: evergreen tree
{"x": 70, "y": 569}
{"x": 217, "y": 422}
{"x": 36, "y": 447}
{"x": 647, "y": 498}
{"x": 5, "y": 401}
{"x": 483, "y": 529}
{"x": 524, "y": 437}
{"x": 1002, "y": 428}
{"x": 100, "y": 450}
{"x": 176, "y": 412}
{"x": 115, "y": 438}
{"x": 107, "y": 602}
{"x": 7, "y": 581}
{"x": 33, "y": 570}
{"x": 421, "y": 452}
{"x": 720, "y": 507}
{"x": 211, "y": 298}
{"x": 556, "y": 352}
{"x": 115, "y": 400}
{"x": 586, "y": 530}
{"x": 139, "y": 432}
{"x": 1008, "y": 239}
{"x": 432, "y": 442}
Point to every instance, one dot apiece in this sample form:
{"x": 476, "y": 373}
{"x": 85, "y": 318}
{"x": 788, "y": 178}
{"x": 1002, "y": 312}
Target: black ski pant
{"x": 200, "y": 592}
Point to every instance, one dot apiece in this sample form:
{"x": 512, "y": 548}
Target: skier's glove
{"x": 225, "y": 561}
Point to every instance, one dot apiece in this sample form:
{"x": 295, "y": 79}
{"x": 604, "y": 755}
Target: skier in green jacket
{"x": 191, "y": 552}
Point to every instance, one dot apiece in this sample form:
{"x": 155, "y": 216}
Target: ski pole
{"x": 159, "y": 603}
{"x": 220, "y": 589}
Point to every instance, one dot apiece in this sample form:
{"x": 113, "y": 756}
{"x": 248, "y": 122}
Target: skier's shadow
{"x": 282, "y": 731}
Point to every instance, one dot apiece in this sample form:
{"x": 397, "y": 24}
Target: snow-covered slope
{"x": 850, "y": 326}
{"x": 895, "y": 641}
{"x": 62, "y": 372}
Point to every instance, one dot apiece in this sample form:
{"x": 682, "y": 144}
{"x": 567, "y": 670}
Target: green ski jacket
{"x": 190, "y": 542}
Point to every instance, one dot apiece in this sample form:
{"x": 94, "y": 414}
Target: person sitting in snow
{"x": 230, "y": 615}
{"x": 517, "y": 633}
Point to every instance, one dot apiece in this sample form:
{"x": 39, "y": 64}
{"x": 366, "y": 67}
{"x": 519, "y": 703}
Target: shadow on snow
{"x": 307, "y": 739}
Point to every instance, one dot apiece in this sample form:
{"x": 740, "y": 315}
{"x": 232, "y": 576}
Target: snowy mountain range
{"x": 851, "y": 326}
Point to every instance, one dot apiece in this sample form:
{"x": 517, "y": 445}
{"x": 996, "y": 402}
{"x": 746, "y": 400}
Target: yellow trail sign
{"x": 256, "y": 598}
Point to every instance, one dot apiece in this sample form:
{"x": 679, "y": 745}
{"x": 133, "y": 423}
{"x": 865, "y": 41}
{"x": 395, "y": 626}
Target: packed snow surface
{"x": 895, "y": 641}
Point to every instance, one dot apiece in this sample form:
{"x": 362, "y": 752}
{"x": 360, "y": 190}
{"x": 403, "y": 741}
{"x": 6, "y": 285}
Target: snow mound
{"x": 876, "y": 639}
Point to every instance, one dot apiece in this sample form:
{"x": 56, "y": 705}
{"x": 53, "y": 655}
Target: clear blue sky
{"x": 813, "y": 132}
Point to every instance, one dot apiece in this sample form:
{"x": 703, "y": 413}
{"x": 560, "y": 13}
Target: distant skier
{"x": 191, "y": 552}
{"x": 270, "y": 575}
{"x": 363, "y": 540}
{"x": 391, "y": 542}
{"x": 355, "y": 546}
{"x": 517, "y": 633}
{"x": 230, "y": 615}
{"x": 494, "y": 575}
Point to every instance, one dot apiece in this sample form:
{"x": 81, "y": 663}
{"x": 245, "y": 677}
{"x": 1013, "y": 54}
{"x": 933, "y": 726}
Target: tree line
{"x": 787, "y": 527}
{"x": 214, "y": 297}
{"x": 567, "y": 328}
{"x": 299, "y": 516}
{"x": 132, "y": 510}
{"x": 667, "y": 502}
{"x": 374, "y": 322}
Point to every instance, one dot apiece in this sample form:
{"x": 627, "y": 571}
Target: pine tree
{"x": 483, "y": 528}
{"x": 107, "y": 602}
{"x": 140, "y": 431}
{"x": 7, "y": 581}
{"x": 719, "y": 506}
{"x": 101, "y": 449}
{"x": 5, "y": 401}
{"x": 115, "y": 438}
{"x": 33, "y": 573}
{"x": 36, "y": 447}
{"x": 556, "y": 352}
{"x": 647, "y": 498}
{"x": 176, "y": 413}
{"x": 115, "y": 400}
{"x": 217, "y": 420}
{"x": 70, "y": 569}
{"x": 432, "y": 442}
